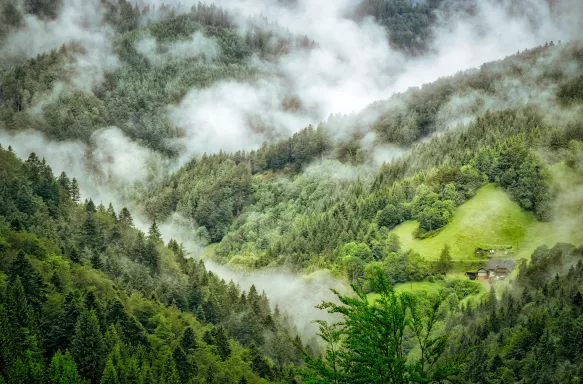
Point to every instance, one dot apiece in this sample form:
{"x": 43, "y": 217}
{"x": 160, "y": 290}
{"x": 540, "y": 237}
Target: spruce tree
{"x": 65, "y": 183}
{"x": 154, "y": 232}
{"x": 75, "y": 194}
{"x": 19, "y": 315}
{"x": 87, "y": 346}
{"x": 222, "y": 342}
{"x": 63, "y": 369}
{"x": 182, "y": 364}
{"x": 444, "y": 263}
{"x": 200, "y": 316}
{"x": 109, "y": 374}
{"x": 31, "y": 281}
{"x": 188, "y": 341}
{"x": 125, "y": 217}
{"x": 169, "y": 374}
{"x": 90, "y": 207}
{"x": 111, "y": 212}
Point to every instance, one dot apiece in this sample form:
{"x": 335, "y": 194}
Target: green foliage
{"x": 63, "y": 369}
{"x": 98, "y": 303}
{"x": 368, "y": 345}
{"x": 87, "y": 346}
{"x": 527, "y": 333}
{"x": 408, "y": 24}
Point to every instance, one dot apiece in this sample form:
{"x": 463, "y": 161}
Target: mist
{"x": 351, "y": 67}
{"x": 354, "y": 66}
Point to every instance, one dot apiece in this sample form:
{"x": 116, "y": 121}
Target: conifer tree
{"x": 154, "y": 233}
{"x": 63, "y": 369}
{"x": 188, "y": 341}
{"x": 109, "y": 374}
{"x": 169, "y": 374}
{"x": 125, "y": 217}
{"x": 65, "y": 183}
{"x": 200, "y": 316}
{"x": 182, "y": 364}
{"x": 222, "y": 342}
{"x": 74, "y": 192}
{"x": 31, "y": 281}
{"x": 87, "y": 346}
{"x": 111, "y": 212}
{"x": 90, "y": 207}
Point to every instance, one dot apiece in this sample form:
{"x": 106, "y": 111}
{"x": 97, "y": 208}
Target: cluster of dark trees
{"x": 135, "y": 97}
{"x": 533, "y": 331}
{"x": 87, "y": 297}
{"x": 408, "y": 23}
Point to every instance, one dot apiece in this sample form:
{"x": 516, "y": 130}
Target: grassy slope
{"x": 429, "y": 287}
{"x": 491, "y": 218}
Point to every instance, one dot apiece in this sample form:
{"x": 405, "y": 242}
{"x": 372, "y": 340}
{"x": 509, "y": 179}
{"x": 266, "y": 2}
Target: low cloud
{"x": 197, "y": 47}
{"x": 79, "y": 25}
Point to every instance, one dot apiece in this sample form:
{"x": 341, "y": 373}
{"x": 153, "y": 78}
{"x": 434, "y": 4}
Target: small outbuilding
{"x": 483, "y": 274}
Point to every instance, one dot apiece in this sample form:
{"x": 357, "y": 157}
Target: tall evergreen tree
{"x": 87, "y": 346}
{"x": 63, "y": 369}
{"x": 125, "y": 217}
{"x": 154, "y": 232}
{"x": 75, "y": 194}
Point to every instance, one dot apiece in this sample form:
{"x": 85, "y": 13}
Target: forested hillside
{"x": 181, "y": 182}
{"x": 87, "y": 296}
{"x": 268, "y": 207}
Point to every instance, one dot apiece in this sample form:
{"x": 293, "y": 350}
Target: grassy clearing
{"x": 430, "y": 287}
{"x": 490, "y": 218}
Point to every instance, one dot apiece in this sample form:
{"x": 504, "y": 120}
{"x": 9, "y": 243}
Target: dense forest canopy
{"x": 181, "y": 182}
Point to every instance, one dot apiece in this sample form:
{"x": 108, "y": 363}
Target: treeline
{"x": 85, "y": 296}
{"x": 419, "y": 112}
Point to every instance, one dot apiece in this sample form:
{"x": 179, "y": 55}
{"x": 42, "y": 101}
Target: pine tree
{"x": 154, "y": 233}
{"x": 95, "y": 260}
{"x": 125, "y": 217}
{"x": 90, "y": 207}
{"x": 222, "y": 342}
{"x": 31, "y": 281}
{"x": 65, "y": 183}
{"x": 75, "y": 195}
{"x": 188, "y": 341}
{"x": 111, "y": 212}
{"x": 200, "y": 316}
{"x": 109, "y": 374}
{"x": 63, "y": 369}
{"x": 87, "y": 346}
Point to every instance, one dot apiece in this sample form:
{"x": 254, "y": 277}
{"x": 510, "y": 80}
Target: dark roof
{"x": 500, "y": 263}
